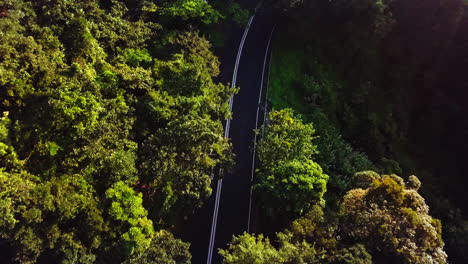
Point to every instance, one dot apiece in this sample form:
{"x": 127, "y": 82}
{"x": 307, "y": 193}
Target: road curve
{"x": 232, "y": 216}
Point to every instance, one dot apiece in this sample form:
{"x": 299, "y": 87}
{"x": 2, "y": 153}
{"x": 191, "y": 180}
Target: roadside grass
{"x": 286, "y": 67}
{"x": 299, "y": 81}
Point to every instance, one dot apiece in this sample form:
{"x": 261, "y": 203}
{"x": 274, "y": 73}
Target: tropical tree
{"x": 95, "y": 96}
{"x": 391, "y": 218}
{"x": 288, "y": 180}
{"x": 60, "y": 218}
{"x": 164, "y": 249}
{"x": 285, "y": 137}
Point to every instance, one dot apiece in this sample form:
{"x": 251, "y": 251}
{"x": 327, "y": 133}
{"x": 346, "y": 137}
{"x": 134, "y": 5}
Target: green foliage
{"x": 455, "y": 228}
{"x": 126, "y": 210}
{"x": 164, "y": 249}
{"x": 357, "y": 69}
{"x": 24, "y": 57}
{"x": 256, "y": 249}
{"x": 248, "y": 248}
{"x": 292, "y": 185}
{"x": 393, "y": 220}
{"x": 182, "y": 136}
{"x": 375, "y": 19}
{"x": 90, "y": 91}
{"x": 356, "y": 254}
{"x": 60, "y": 215}
{"x": 315, "y": 96}
{"x": 15, "y": 190}
{"x": 286, "y": 138}
{"x": 252, "y": 249}
{"x": 288, "y": 179}
{"x": 177, "y": 161}
{"x": 323, "y": 231}
{"x": 285, "y": 70}
{"x": 136, "y": 57}
{"x": 413, "y": 183}
{"x": 235, "y": 12}
{"x": 193, "y": 9}
{"x": 337, "y": 157}
{"x": 8, "y": 157}
{"x": 382, "y": 219}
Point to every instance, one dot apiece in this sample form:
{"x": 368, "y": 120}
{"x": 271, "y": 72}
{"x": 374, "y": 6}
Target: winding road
{"x": 229, "y": 210}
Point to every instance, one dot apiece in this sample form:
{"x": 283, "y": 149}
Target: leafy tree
{"x": 164, "y": 249}
{"x": 127, "y": 213}
{"x": 288, "y": 179}
{"x": 8, "y": 157}
{"x": 25, "y": 58}
{"x": 193, "y": 9}
{"x": 60, "y": 216}
{"x": 293, "y": 185}
{"x": 236, "y": 13}
{"x": 383, "y": 53}
{"x": 391, "y": 218}
{"x": 253, "y": 249}
{"x": 337, "y": 157}
{"x": 323, "y": 231}
{"x": 286, "y": 138}
{"x": 177, "y": 162}
{"x": 182, "y": 138}
{"x": 90, "y": 91}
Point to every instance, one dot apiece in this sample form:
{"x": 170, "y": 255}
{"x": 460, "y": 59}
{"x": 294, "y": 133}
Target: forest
{"x": 111, "y": 123}
{"x": 378, "y": 87}
{"x": 111, "y": 126}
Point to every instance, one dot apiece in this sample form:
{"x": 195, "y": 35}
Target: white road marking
{"x": 214, "y": 221}
{"x": 226, "y": 135}
{"x": 265, "y": 105}
{"x": 256, "y": 125}
{"x": 234, "y": 74}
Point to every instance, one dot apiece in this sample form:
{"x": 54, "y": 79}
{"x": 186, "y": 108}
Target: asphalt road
{"x": 234, "y": 198}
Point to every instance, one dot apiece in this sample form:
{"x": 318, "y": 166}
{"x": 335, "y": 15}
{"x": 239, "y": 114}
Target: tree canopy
{"x": 381, "y": 219}
{"x": 111, "y": 125}
{"x": 392, "y": 218}
{"x": 288, "y": 179}
{"x": 382, "y": 83}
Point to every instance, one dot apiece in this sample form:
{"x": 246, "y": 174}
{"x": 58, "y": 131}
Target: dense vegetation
{"x": 288, "y": 180}
{"x": 379, "y": 219}
{"x": 386, "y": 222}
{"x": 381, "y": 82}
{"x": 110, "y": 129}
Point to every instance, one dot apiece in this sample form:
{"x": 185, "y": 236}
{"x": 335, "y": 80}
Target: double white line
{"x": 234, "y": 74}
{"x": 256, "y": 126}
{"x": 226, "y": 135}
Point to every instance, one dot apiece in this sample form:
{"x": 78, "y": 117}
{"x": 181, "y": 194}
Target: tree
{"x": 110, "y": 111}
{"x": 181, "y": 133}
{"x": 322, "y": 230}
{"x": 128, "y": 214}
{"x": 177, "y": 162}
{"x": 311, "y": 238}
{"x": 60, "y": 217}
{"x": 292, "y": 186}
{"x": 391, "y": 218}
{"x": 251, "y": 249}
{"x": 255, "y": 249}
{"x": 286, "y": 138}
{"x": 193, "y": 10}
{"x": 8, "y": 157}
{"x": 288, "y": 180}
{"x": 164, "y": 249}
